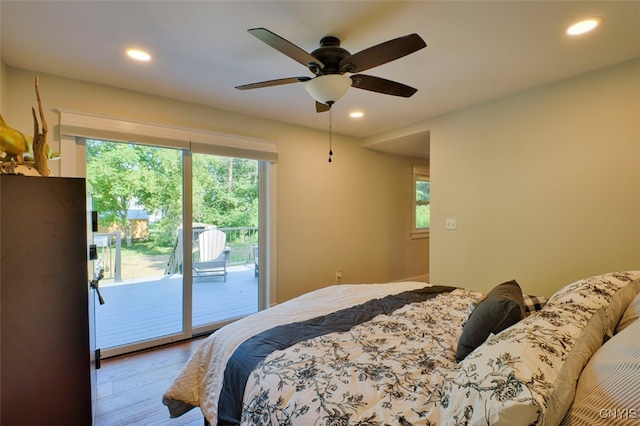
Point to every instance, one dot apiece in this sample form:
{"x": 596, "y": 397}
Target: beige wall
{"x": 544, "y": 184}
{"x": 3, "y": 99}
{"x": 353, "y": 215}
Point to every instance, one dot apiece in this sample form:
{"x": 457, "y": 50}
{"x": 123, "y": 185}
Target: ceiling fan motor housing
{"x": 330, "y": 54}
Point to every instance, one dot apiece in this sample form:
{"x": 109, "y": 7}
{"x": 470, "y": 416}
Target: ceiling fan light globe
{"x": 328, "y": 88}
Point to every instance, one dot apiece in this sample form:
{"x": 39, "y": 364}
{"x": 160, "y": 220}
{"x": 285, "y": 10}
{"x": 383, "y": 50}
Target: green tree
{"x": 225, "y": 190}
{"x": 423, "y": 209}
{"x": 123, "y": 175}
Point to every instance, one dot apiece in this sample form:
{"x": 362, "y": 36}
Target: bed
{"x": 411, "y": 354}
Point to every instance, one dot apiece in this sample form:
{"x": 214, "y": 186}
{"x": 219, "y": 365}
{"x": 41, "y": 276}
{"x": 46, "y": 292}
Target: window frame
{"x": 420, "y": 174}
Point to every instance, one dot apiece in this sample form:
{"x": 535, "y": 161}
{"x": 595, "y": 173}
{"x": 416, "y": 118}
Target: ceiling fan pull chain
{"x": 330, "y": 133}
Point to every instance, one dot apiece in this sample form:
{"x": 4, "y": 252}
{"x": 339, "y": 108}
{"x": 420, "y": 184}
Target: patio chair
{"x": 213, "y": 254}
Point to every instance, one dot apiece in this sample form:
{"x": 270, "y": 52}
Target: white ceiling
{"x": 476, "y": 50}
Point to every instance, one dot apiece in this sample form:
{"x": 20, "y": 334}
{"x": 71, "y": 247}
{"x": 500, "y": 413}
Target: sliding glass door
{"x": 225, "y": 239}
{"x": 167, "y": 278}
{"x": 137, "y": 192}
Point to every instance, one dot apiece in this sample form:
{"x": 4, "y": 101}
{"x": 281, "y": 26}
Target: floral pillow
{"x": 527, "y": 374}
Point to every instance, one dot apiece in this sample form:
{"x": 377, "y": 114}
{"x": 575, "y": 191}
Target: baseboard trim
{"x": 419, "y": 278}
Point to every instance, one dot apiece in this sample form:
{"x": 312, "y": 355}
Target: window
{"x": 421, "y": 202}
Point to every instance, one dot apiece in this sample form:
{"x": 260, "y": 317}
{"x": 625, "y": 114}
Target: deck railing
{"x": 105, "y": 242}
{"x": 241, "y": 241}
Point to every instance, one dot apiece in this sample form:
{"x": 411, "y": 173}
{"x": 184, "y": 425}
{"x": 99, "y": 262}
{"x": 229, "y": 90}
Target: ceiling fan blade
{"x": 286, "y": 47}
{"x": 269, "y": 83}
{"x": 382, "y": 53}
{"x": 381, "y": 85}
{"x": 320, "y": 107}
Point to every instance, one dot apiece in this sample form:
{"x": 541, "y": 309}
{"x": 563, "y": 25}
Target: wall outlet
{"x": 450, "y": 223}
{"x": 338, "y": 277}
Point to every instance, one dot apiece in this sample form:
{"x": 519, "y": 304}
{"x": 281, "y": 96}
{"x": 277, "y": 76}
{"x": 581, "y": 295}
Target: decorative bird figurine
{"x": 13, "y": 142}
{"x": 17, "y": 146}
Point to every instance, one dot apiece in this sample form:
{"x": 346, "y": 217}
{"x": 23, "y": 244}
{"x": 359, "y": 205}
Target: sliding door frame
{"x": 76, "y": 127}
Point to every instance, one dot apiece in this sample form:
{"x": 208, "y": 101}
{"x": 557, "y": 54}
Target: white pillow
{"x": 608, "y": 390}
{"x": 630, "y": 315}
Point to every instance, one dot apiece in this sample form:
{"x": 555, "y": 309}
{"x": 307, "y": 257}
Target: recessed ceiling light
{"x": 356, "y": 114}
{"x": 583, "y": 26}
{"x": 138, "y": 55}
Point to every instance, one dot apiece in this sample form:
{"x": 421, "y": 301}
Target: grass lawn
{"x": 142, "y": 259}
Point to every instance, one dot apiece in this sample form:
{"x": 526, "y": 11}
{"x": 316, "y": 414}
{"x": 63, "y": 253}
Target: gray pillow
{"x": 503, "y": 307}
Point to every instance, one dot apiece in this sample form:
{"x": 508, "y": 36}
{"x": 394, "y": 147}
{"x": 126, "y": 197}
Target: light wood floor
{"x": 130, "y": 387}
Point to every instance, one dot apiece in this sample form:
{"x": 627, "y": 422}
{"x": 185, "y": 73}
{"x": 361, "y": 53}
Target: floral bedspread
{"x": 200, "y": 382}
{"x": 399, "y": 368}
{"x": 371, "y": 374}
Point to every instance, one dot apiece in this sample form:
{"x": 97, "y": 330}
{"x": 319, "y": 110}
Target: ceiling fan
{"x": 329, "y": 63}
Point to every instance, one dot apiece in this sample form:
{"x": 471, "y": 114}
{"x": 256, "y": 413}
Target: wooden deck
{"x": 145, "y": 309}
